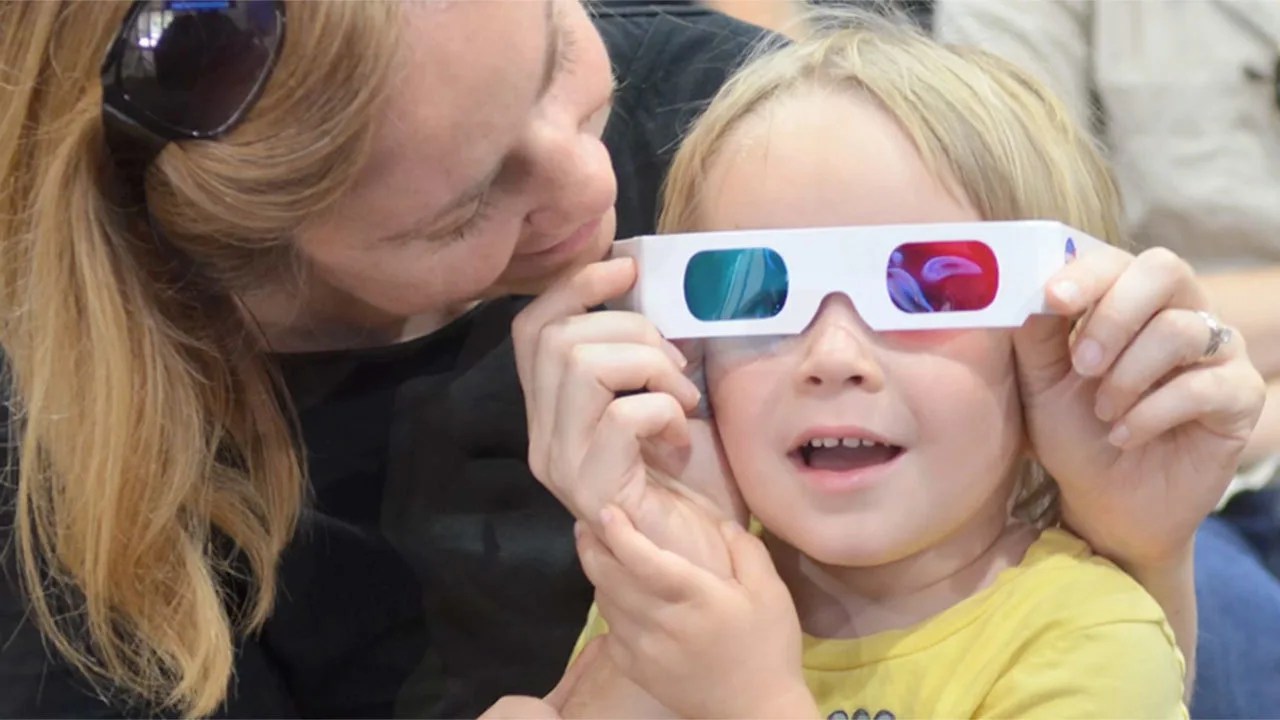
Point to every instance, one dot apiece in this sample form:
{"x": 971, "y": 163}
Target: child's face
{"x": 946, "y": 401}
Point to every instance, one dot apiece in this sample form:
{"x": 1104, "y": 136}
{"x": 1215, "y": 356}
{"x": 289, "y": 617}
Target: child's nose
{"x": 838, "y": 351}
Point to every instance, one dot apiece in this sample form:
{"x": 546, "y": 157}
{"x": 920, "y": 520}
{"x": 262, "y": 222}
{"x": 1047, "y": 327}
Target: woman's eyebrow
{"x": 477, "y": 189}
{"x": 553, "y": 49}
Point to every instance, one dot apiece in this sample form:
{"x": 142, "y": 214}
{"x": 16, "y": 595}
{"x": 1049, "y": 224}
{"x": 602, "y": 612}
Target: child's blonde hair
{"x": 990, "y": 130}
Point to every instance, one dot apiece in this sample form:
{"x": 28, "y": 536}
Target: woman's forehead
{"x": 467, "y": 80}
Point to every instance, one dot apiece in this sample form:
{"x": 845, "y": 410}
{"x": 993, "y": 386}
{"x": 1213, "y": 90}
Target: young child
{"x": 898, "y": 478}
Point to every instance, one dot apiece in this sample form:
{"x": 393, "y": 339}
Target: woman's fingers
{"x": 1082, "y": 282}
{"x": 543, "y": 333}
{"x": 1171, "y": 341}
{"x": 611, "y": 455}
{"x": 585, "y": 289}
{"x": 561, "y": 343}
{"x": 1041, "y": 344}
{"x": 1224, "y": 399}
{"x": 1125, "y": 294}
{"x": 752, "y": 565}
{"x": 572, "y": 362}
{"x": 585, "y": 413}
{"x": 595, "y": 373}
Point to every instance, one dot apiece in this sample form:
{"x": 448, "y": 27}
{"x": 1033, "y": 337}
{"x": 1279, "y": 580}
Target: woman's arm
{"x": 1247, "y": 301}
{"x": 1265, "y": 440}
{"x": 1172, "y": 584}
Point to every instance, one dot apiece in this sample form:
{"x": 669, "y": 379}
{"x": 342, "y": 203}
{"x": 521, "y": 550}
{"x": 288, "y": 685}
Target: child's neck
{"x": 851, "y": 602}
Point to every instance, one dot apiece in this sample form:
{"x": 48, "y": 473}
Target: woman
{"x": 322, "y": 254}
{"x": 344, "y": 214}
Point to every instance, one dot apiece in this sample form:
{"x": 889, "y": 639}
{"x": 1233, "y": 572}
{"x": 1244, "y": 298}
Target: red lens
{"x": 942, "y": 276}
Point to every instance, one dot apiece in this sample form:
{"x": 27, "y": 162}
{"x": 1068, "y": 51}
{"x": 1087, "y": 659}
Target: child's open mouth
{"x": 844, "y": 454}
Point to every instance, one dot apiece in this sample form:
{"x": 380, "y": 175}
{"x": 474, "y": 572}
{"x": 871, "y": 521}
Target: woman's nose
{"x": 574, "y": 182}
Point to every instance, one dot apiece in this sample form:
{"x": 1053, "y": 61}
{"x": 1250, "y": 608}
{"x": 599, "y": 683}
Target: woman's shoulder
{"x": 668, "y": 61}
{"x": 681, "y": 33}
{"x": 672, "y": 37}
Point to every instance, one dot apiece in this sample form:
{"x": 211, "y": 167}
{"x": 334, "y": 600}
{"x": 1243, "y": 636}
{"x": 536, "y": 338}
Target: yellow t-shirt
{"x": 1065, "y": 634}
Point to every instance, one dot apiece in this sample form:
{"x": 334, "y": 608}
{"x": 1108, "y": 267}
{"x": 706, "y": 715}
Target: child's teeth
{"x": 846, "y": 442}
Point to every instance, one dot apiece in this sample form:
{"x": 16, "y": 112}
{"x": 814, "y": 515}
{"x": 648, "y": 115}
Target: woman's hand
{"x": 1141, "y": 430}
{"x": 702, "y": 645}
{"x": 607, "y": 405}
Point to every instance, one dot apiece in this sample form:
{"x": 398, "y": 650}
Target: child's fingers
{"x": 1172, "y": 340}
{"x": 604, "y": 571}
{"x": 615, "y": 583}
{"x": 664, "y": 573}
{"x": 624, "y": 623}
{"x": 752, "y": 565}
{"x": 1155, "y": 280}
{"x": 1224, "y": 399}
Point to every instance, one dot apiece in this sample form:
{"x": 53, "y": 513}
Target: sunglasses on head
{"x": 900, "y": 277}
{"x": 183, "y": 70}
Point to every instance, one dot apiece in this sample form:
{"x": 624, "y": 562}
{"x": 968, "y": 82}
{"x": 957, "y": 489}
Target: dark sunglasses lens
{"x": 739, "y": 284}
{"x": 195, "y": 65}
{"x": 934, "y": 277}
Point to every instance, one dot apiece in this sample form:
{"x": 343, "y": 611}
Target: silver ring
{"x": 1219, "y": 335}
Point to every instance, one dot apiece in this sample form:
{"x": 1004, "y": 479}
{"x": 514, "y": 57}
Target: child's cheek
{"x": 920, "y": 339}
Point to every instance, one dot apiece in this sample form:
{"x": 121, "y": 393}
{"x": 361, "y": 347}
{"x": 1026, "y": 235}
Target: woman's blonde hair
{"x": 990, "y": 130}
{"x": 158, "y": 476}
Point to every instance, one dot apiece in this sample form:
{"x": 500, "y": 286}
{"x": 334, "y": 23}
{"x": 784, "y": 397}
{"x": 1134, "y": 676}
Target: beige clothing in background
{"x": 1188, "y": 108}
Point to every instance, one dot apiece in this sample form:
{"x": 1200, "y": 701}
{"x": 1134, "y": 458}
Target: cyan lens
{"x": 933, "y": 277}
{"x": 738, "y": 284}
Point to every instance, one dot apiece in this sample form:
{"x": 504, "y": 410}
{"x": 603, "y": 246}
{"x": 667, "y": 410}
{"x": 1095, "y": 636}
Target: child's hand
{"x": 1142, "y": 430}
{"x": 701, "y": 645}
{"x": 592, "y": 447}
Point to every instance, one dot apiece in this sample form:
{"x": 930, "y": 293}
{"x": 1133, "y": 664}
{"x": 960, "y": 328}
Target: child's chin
{"x": 866, "y": 547}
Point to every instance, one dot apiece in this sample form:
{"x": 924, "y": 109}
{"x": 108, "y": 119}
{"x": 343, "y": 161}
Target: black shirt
{"x": 431, "y": 574}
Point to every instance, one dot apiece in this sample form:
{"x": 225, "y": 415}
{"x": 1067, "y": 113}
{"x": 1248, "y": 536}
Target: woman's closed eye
{"x": 480, "y": 213}
{"x": 566, "y": 59}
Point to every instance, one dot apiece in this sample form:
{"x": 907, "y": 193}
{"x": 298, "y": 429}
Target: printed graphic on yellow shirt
{"x": 861, "y": 714}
